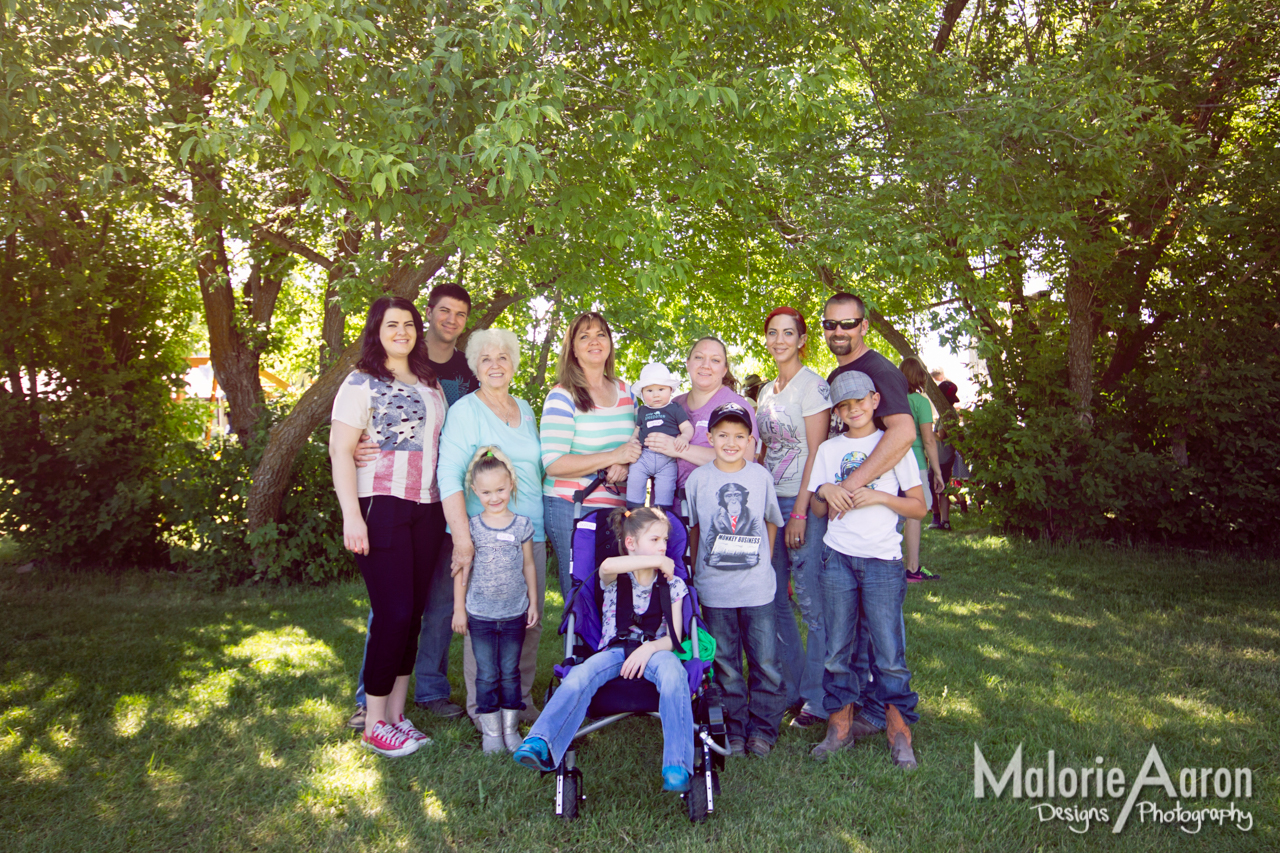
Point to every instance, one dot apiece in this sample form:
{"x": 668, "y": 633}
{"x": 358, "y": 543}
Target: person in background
{"x": 793, "y": 414}
{"x": 946, "y": 463}
{"x": 925, "y": 450}
{"x": 448, "y": 306}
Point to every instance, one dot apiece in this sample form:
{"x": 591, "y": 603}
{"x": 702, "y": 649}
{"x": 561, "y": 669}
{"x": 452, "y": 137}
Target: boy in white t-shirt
{"x": 863, "y": 578}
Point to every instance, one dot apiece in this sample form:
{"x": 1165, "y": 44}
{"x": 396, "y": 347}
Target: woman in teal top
{"x": 491, "y": 416}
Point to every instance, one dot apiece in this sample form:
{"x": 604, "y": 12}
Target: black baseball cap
{"x": 731, "y": 411}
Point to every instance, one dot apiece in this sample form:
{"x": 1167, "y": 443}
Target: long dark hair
{"x": 570, "y": 374}
{"x": 373, "y": 358}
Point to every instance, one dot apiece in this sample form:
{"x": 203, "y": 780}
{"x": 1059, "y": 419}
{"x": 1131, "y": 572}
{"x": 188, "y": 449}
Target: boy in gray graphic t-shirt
{"x": 734, "y": 516}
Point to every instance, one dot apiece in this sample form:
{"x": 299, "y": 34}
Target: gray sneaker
{"x": 441, "y": 708}
{"x": 356, "y": 720}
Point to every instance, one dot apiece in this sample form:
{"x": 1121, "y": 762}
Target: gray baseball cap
{"x": 851, "y": 385}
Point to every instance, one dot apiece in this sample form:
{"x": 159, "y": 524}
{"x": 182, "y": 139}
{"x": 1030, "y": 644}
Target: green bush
{"x": 205, "y": 495}
{"x": 1185, "y": 452}
{"x": 90, "y": 355}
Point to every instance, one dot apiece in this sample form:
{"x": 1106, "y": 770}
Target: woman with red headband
{"x": 793, "y": 413}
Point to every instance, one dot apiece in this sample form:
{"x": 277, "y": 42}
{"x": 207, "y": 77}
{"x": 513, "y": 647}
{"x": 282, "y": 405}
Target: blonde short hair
{"x": 502, "y": 339}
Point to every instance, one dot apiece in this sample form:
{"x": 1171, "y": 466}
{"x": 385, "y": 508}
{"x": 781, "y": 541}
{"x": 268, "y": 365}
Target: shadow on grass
{"x": 139, "y": 714}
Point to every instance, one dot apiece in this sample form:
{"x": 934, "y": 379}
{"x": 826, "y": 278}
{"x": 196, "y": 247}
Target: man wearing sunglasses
{"x": 844, "y": 326}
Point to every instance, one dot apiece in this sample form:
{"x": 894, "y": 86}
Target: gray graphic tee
{"x": 731, "y": 511}
{"x": 497, "y": 590}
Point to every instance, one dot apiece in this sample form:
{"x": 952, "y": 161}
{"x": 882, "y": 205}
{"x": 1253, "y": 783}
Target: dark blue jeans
{"x": 862, "y": 607}
{"x": 497, "y": 648}
{"x": 749, "y": 629}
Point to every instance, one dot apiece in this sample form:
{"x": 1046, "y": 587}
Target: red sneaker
{"x": 389, "y": 741}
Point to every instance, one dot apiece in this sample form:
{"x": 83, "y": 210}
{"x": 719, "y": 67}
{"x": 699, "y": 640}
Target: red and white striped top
{"x": 406, "y": 421}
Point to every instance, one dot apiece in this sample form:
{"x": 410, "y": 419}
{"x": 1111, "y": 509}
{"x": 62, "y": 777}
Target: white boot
{"x": 491, "y": 732}
{"x": 511, "y": 729}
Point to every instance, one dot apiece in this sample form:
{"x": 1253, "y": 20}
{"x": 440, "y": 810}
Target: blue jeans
{"x": 431, "y": 669}
{"x": 749, "y": 629}
{"x": 862, "y": 606}
{"x": 497, "y": 645}
{"x": 557, "y": 518}
{"x": 801, "y": 665}
{"x": 563, "y": 714}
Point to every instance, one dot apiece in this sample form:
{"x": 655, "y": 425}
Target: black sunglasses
{"x": 847, "y": 325}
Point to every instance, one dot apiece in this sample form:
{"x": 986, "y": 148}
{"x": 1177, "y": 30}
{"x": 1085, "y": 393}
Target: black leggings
{"x": 404, "y": 540}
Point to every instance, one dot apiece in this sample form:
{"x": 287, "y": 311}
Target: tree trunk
{"x": 900, "y": 342}
{"x": 271, "y": 478}
{"x": 1080, "y": 338}
{"x": 234, "y": 363}
{"x": 544, "y": 352}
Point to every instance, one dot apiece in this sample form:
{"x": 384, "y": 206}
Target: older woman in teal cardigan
{"x": 492, "y": 416}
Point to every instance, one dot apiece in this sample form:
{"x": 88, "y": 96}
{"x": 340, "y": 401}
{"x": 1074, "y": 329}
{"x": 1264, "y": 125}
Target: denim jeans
{"x": 431, "y": 669}
{"x": 862, "y": 606}
{"x": 753, "y": 630}
{"x": 567, "y": 708}
{"x": 557, "y": 518}
{"x": 497, "y": 643}
{"x": 801, "y": 665}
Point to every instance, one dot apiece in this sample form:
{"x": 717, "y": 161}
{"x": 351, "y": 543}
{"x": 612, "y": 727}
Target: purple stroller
{"x": 622, "y": 698}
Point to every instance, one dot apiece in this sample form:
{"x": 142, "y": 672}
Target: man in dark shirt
{"x": 844, "y": 326}
{"x": 447, "y": 308}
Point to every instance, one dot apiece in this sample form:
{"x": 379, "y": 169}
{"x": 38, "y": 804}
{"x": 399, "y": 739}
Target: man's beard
{"x": 840, "y": 347}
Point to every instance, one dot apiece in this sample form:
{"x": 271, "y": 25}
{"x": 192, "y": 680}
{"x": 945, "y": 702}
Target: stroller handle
{"x": 582, "y": 494}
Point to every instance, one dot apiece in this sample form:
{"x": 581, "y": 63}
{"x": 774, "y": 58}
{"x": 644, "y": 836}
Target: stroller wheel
{"x": 568, "y": 794}
{"x": 696, "y": 799}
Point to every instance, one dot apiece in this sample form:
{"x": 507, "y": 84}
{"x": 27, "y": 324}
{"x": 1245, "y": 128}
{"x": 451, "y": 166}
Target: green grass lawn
{"x": 138, "y": 713}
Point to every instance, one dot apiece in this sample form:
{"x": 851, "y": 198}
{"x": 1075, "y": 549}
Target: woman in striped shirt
{"x": 587, "y": 422}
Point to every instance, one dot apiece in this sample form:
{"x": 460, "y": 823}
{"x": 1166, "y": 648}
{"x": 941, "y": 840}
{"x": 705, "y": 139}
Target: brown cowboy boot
{"x": 899, "y": 735}
{"x": 839, "y": 733}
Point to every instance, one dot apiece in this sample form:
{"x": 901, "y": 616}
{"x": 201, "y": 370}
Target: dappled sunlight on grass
{"x": 340, "y": 784}
{"x": 174, "y": 719}
{"x": 432, "y": 808}
{"x": 131, "y": 714}
{"x": 283, "y": 649}
{"x": 37, "y": 765}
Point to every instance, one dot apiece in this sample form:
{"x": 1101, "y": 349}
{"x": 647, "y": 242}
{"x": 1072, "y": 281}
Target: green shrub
{"x": 205, "y": 495}
{"x": 1185, "y": 452}
{"x": 90, "y": 355}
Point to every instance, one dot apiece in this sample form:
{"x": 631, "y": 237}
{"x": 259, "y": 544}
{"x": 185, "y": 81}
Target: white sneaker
{"x": 407, "y": 728}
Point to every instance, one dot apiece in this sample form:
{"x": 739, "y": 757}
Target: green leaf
{"x": 301, "y": 95}
{"x": 380, "y": 183}
{"x": 278, "y": 81}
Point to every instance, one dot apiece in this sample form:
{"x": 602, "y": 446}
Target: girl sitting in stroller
{"x": 634, "y": 642}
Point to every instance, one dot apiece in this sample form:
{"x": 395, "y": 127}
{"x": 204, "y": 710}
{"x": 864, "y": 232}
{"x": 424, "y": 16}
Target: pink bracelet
{"x": 801, "y": 517}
